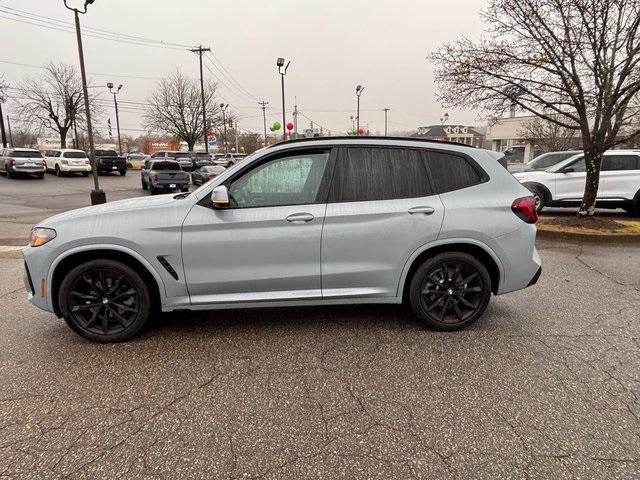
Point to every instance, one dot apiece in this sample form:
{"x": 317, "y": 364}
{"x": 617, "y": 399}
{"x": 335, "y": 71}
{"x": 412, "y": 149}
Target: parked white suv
{"x": 563, "y": 184}
{"x": 306, "y": 222}
{"x": 67, "y": 161}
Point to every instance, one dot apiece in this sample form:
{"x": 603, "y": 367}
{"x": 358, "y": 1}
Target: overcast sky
{"x": 333, "y": 46}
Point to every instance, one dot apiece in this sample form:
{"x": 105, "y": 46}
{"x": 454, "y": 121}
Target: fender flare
{"x": 439, "y": 243}
{"x": 103, "y": 246}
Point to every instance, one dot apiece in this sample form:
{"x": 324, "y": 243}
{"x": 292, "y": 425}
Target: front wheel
{"x": 104, "y": 301}
{"x": 450, "y": 291}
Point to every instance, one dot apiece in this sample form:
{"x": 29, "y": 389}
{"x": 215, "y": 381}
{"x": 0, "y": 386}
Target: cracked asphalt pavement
{"x": 545, "y": 385}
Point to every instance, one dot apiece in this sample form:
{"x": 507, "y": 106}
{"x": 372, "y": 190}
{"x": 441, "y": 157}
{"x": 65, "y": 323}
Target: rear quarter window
{"x": 453, "y": 172}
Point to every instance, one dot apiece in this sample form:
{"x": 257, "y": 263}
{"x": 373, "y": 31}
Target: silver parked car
{"x": 306, "y": 222}
{"x": 21, "y": 161}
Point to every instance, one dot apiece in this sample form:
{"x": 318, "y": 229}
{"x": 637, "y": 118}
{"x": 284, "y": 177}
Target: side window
{"x": 579, "y": 166}
{"x": 290, "y": 180}
{"x": 619, "y": 162}
{"x": 452, "y": 172}
{"x": 372, "y": 173}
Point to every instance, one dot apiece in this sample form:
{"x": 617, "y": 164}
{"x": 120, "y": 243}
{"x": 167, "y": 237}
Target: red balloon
{"x": 289, "y": 126}
{"x": 361, "y": 130}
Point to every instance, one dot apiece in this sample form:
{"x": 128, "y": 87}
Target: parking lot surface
{"x": 545, "y": 385}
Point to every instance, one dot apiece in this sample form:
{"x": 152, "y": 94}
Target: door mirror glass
{"x": 568, "y": 170}
{"x": 220, "y": 197}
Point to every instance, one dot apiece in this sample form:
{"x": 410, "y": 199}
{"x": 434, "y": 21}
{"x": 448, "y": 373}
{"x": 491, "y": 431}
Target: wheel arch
{"x": 66, "y": 262}
{"x": 480, "y": 251}
{"x": 541, "y": 186}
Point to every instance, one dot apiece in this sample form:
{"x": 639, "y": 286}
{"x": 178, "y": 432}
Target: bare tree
{"x": 549, "y": 136}
{"x": 175, "y": 108}
{"x": 54, "y": 100}
{"x": 574, "y": 63}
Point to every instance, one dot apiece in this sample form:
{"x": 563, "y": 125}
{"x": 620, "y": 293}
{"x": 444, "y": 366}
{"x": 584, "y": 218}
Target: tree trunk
{"x": 190, "y": 144}
{"x": 63, "y": 138}
{"x": 593, "y": 160}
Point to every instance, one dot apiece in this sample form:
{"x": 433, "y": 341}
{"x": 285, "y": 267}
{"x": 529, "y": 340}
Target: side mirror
{"x": 568, "y": 170}
{"x": 220, "y": 197}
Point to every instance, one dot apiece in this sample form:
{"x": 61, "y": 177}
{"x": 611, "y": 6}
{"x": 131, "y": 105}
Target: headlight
{"x": 40, "y": 236}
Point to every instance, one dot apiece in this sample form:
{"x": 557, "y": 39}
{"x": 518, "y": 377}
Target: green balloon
{"x": 277, "y": 126}
{"x": 272, "y": 129}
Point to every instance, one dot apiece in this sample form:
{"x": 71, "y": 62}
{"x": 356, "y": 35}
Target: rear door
{"x": 381, "y": 209}
{"x": 619, "y": 176}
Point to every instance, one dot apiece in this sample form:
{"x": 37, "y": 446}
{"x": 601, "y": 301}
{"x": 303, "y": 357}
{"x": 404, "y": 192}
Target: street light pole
{"x": 10, "y": 134}
{"x": 224, "y": 107}
{"x": 2, "y": 132}
{"x": 359, "y": 90}
{"x": 115, "y": 101}
{"x": 200, "y": 51}
{"x": 283, "y": 71}
{"x": 386, "y": 110}
{"x": 97, "y": 196}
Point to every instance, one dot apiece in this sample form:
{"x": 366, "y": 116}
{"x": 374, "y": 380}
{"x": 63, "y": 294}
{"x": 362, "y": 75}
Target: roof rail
{"x": 374, "y": 137}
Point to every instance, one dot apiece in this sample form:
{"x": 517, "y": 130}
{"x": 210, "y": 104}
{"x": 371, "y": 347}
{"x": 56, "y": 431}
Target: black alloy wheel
{"x": 450, "y": 291}
{"x": 104, "y": 300}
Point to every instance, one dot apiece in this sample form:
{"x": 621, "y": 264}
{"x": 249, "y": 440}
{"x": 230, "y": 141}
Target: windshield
{"x": 26, "y": 154}
{"x": 559, "y": 166}
{"x": 165, "y": 166}
{"x": 548, "y": 160}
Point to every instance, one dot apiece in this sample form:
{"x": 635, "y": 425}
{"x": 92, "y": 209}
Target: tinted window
{"x": 75, "y": 155}
{"x": 619, "y": 162}
{"x": 452, "y": 172}
{"x": 26, "y": 154}
{"x": 549, "y": 159}
{"x": 181, "y": 154}
{"x": 368, "y": 174}
{"x": 291, "y": 180}
{"x": 165, "y": 166}
{"x": 106, "y": 153}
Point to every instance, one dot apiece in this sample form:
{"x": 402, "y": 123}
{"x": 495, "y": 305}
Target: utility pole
{"x": 295, "y": 116}
{"x": 237, "y": 147}
{"x": 385, "y": 110}
{"x": 224, "y": 107}
{"x": 97, "y": 196}
{"x": 115, "y": 101}
{"x": 264, "y": 119}
{"x": 200, "y": 51}
{"x": 10, "y": 136}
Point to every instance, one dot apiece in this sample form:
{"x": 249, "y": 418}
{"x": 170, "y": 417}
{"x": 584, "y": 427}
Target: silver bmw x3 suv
{"x": 307, "y": 222}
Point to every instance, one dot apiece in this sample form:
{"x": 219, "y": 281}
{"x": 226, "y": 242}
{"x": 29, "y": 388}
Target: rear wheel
{"x": 104, "y": 301}
{"x": 85, "y": 174}
{"x": 144, "y": 184}
{"x": 10, "y": 174}
{"x": 40, "y": 176}
{"x": 450, "y": 291}
{"x": 58, "y": 171}
{"x": 123, "y": 172}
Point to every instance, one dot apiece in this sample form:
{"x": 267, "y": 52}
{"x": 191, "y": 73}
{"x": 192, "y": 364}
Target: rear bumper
{"x": 535, "y": 278}
{"x": 27, "y": 170}
{"x": 74, "y": 168}
{"x": 520, "y": 260}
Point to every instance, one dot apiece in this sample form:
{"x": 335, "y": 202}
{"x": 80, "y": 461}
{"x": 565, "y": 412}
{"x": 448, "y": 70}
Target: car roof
{"x": 22, "y": 149}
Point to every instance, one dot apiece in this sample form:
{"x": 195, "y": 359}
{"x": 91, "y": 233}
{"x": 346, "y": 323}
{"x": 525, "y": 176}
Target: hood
{"x": 130, "y": 204}
{"x": 532, "y": 175}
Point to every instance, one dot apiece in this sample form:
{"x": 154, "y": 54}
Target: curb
{"x": 599, "y": 238}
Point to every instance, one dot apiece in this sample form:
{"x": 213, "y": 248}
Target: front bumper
{"x": 36, "y": 271}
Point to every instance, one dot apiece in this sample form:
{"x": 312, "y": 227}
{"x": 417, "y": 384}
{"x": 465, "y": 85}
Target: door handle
{"x": 425, "y": 210}
{"x": 300, "y": 218}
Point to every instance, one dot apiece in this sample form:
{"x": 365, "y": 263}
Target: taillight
{"x": 12, "y": 161}
{"x": 525, "y": 208}
{"x": 64, "y": 162}
{"x": 211, "y": 177}
{"x": 154, "y": 177}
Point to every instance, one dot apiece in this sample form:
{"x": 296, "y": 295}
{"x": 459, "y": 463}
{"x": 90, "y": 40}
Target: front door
{"x": 570, "y": 185}
{"x": 266, "y": 245}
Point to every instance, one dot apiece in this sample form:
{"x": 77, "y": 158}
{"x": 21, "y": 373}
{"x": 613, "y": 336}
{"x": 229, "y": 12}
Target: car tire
{"x": 58, "y": 171}
{"x": 10, "y": 174}
{"x": 85, "y": 174}
{"x": 123, "y": 173}
{"x": 40, "y": 176}
{"x": 104, "y": 301}
{"x": 144, "y": 185}
{"x": 540, "y": 197}
{"x": 152, "y": 190}
{"x": 450, "y": 291}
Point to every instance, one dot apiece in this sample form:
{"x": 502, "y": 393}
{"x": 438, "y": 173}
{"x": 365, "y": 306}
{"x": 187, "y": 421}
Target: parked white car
{"x": 563, "y": 184}
{"x": 67, "y": 161}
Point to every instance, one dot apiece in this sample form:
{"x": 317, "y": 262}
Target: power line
{"x": 233, "y": 79}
